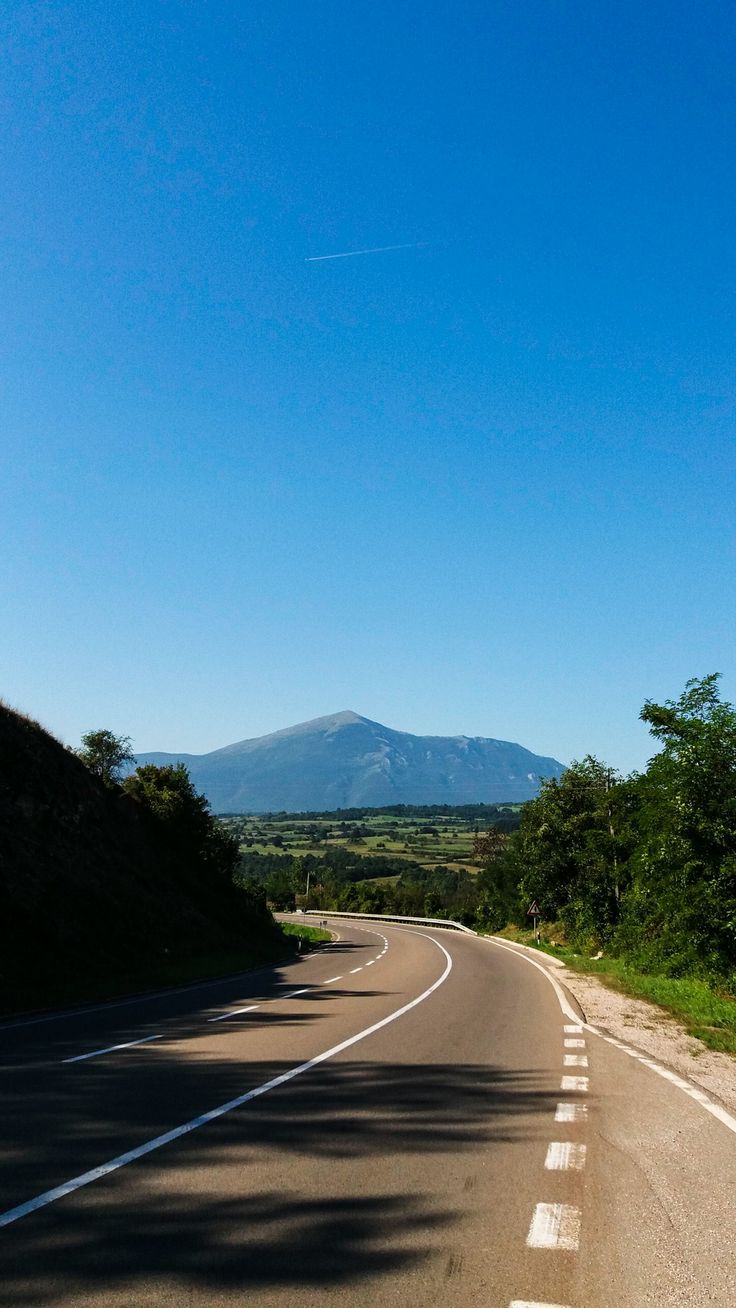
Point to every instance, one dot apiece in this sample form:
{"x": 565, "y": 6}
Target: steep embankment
{"x": 91, "y": 898}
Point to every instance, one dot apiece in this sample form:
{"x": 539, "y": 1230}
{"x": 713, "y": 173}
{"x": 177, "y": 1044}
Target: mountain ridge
{"x": 344, "y": 760}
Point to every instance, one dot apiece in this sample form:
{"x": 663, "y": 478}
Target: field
{"x": 445, "y": 840}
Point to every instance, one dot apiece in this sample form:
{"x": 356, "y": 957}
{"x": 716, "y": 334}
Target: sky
{"x": 480, "y": 485}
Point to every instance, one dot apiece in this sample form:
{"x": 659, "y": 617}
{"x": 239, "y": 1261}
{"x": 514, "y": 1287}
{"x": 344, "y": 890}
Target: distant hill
{"x": 91, "y": 897}
{"x": 347, "y": 761}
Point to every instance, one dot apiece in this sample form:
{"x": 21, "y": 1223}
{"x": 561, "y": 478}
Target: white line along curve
{"x": 576, "y": 1025}
{"x": 96, "y": 1173}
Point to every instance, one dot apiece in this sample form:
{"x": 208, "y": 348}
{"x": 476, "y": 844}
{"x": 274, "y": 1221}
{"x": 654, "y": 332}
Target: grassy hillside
{"x": 92, "y": 900}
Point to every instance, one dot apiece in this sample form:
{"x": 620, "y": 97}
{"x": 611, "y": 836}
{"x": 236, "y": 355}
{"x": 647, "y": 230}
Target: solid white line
{"x": 691, "y": 1091}
{"x": 575, "y": 1083}
{"x": 533, "y": 1303}
{"x": 353, "y": 970}
{"x": 329, "y": 981}
{"x": 574, "y": 1044}
{"x": 234, "y": 1012}
{"x": 79, "y": 1058}
{"x": 571, "y": 1112}
{"x": 565, "y": 1156}
{"x": 96, "y": 1173}
{"x": 575, "y": 1060}
{"x": 554, "y": 1226}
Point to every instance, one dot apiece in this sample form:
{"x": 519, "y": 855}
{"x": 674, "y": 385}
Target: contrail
{"x": 379, "y": 249}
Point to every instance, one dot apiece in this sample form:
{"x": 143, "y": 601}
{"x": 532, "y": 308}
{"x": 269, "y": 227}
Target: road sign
{"x": 533, "y": 909}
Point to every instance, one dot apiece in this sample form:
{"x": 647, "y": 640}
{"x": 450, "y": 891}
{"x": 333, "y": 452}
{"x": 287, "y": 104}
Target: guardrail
{"x": 395, "y": 917}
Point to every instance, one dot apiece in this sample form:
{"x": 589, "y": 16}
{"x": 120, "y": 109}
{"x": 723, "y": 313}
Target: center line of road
{"x": 529, "y": 1303}
{"x": 293, "y": 993}
{"x": 563, "y": 1156}
{"x": 79, "y": 1058}
{"x": 371, "y": 963}
{"x": 96, "y": 1173}
{"x": 554, "y": 1226}
{"x": 353, "y": 970}
{"x": 234, "y": 1012}
{"x": 329, "y": 980}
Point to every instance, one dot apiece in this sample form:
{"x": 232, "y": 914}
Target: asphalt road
{"x": 405, "y": 1116}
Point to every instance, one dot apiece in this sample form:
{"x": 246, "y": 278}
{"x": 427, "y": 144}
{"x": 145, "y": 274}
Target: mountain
{"x": 347, "y": 761}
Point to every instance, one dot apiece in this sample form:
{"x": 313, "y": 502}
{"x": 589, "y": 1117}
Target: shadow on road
{"x": 319, "y": 1183}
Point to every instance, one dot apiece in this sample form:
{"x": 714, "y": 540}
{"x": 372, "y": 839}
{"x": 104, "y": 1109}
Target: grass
{"x": 314, "y": 935}
{"x": 709, "y": 1014}
{"x": 450, "y": 843}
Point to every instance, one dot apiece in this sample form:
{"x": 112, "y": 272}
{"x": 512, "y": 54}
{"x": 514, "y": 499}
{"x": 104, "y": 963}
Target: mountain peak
{"x": 344, "y": 760}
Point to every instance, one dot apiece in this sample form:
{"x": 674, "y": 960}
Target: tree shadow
{"x": 313, "y": 1184}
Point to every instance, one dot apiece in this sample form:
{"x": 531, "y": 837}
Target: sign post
{"x": 533, "y": 913}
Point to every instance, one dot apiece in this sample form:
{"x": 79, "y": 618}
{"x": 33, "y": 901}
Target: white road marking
{"x": 574, "y": 1044}
{"x": 293, "y": 993}
{"x": 571, "y": 1112}
{"x": 692, "y": 1091}
{"x": 533, "y": 1303}
{"x": 565, "y": 1156}
{"x": 353, "y": 970}
{"x": 129, "y": 1044}
{"x": 96, "y": 1173}
{"x": 329, "y": 980}
{"x": 554, "y": 1226}
{"x": 572, "y": 1028}
{"x": 371, "y": 963}
{"x": 575, "y": 1083}
{"x": 575, "y": 1060}
{"x": 234, "y": 1013}
{"x": 715, "y": 1110}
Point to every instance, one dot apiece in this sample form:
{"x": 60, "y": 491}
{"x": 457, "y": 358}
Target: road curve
{"x": 405, "y": 1115}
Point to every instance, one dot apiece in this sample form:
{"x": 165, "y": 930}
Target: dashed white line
{"x": 574, "y": 1044}
{"x": 565, "y": 1156}
{"x": 554, "y": 1226}
{"x": 353, "y": 970}
{"x": 575, "y": 1060}
{"x": 534, "y": 1303}
{"x": 129, "y": 1044}
{"x": 293, "y": 993}
{"x": 575, "y": 1083}
{"x": 96, "y": 1173}
{"x": 571, "y": 1112}
{"x": 330, "y": 979}
{"x": 234, "y": 1013}
{"x": 371, "y": 963}
{"x": 573, "y": 1028}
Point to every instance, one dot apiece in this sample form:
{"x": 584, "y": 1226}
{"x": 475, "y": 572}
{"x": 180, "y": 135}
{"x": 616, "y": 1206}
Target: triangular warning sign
{"x": 533, "y": 909}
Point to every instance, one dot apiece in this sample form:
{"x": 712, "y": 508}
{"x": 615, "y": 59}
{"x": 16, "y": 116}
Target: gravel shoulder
{"x": 655, "y": 1033}
{"x": 645, "y": 1027}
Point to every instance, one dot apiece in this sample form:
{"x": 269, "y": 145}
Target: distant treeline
{"x": 489, "y": 813}
{"x": 341, "y": 879}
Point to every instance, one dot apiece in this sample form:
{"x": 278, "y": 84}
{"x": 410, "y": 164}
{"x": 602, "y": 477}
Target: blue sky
{"x": 485, "y": 485}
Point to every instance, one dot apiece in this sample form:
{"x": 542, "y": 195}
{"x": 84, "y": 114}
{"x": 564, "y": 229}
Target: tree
{"x": 681, "y": 911}
{"x": 105, "y": 754}
{"x": 569, "y": 850}
{"x": 200, "y": 842}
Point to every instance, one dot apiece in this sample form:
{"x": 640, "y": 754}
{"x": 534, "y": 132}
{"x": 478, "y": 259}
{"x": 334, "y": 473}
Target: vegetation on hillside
{"x": 105, "y": 888}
